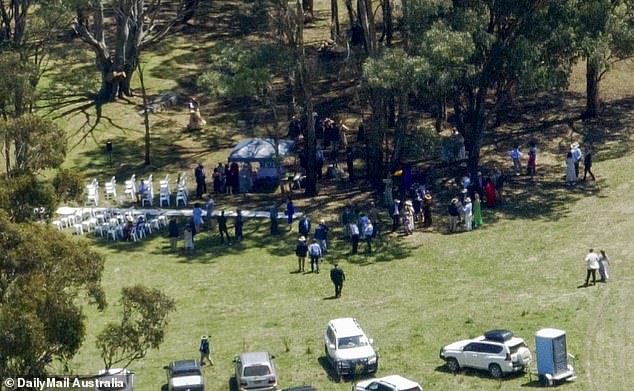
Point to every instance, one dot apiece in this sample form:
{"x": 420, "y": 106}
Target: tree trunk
{"x": 366, "y": 19}
{"x": 400, "y": 132}
{"x": 306, "y": 87}
{"x": 350, "y": 14}
{"x": 334, "y": 20}
{"x": 7, "y": 156}
{"x": 474, "y": 137}
{"x": 375, "y": 131}
{"x": 307, "y": 7}
{"x": 146, "y": 117}
{"x": 387, "y": 22}
{"x": 592, "y": 91}
{"x": 405, "y": 6}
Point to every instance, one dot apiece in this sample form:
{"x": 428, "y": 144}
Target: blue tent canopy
{"x": 259, "y": 150}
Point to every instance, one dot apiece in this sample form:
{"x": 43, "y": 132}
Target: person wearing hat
{"x": 301, "y": 249}
{"x": 337, "y": 276}
{"x": 314, "y": 251}
{"x": 468, "y": 214}
{"x": 577, "y": 155}
{"x": 454, "y": 215}
{"x": 427, "y": 202}
{"x": 204, "y": 351}
{"x": 321, "y": 234}
{"x": 396, "y": 215}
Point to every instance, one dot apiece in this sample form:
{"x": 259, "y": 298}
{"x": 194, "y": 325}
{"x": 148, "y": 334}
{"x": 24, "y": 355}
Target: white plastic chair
{"x": 111, "y": 189}
{"x": 164, "y": 192}
{"x": 130, "y": 187}
{"x": 92, "y": 192}
{"x": 181, "y": 196}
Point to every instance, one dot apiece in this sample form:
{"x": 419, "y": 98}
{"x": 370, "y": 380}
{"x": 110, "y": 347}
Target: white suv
{"x": 497, "y": 351}
{"x": 348, "y": 349}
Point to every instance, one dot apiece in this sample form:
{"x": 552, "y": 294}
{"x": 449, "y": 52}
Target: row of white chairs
{"x": 109, "y": 223}
{"x": 130, "y": 190}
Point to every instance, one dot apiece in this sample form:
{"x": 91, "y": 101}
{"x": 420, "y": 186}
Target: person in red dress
{"x": 489, "y": 192}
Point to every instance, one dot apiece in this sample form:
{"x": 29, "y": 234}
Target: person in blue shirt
{"x": 197, "y": 216}
{"x": 314, "y": 251}
{"x": 321, "y": 234}
{"x": 204, "y": 351}
{"x": 304, "y": 226}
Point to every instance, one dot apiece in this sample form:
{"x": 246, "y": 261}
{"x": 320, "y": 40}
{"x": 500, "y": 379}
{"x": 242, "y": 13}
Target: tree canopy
{"x": 44, "y": 275}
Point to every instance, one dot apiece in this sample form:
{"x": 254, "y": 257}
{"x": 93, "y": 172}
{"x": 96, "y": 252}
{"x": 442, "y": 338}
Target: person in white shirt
{"x": 468, "y": 214}
{"x": 577, "y": 155}
{"x": 354, "y": 235}
{"x": 592, "y": 264}
{"x": 516, "y": 156}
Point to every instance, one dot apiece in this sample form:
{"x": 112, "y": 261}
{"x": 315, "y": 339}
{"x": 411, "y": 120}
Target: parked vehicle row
{"x": 350, "y": 352}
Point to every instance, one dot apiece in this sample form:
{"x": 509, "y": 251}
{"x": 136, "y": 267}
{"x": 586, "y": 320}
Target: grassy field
{"x": 521, "y": 271}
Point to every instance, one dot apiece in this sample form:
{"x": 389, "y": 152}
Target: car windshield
{"x": 257, "y": 370}
{"x": 352, "y": 342}
{"x": 517, "y": 347}
{"x": 186, "y": 372}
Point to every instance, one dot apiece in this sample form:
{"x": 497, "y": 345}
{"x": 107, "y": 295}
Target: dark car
{"x": 185, "y": 375}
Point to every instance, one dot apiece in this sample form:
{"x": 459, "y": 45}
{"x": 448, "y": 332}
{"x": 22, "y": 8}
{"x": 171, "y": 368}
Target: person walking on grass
{"x": 337, "y": 276}
{"x": 587, "y": 165}
{"x": 303, "y": 226}
{"x": 301, "y": 249}
{"x": 273, "y": 218}
{"x": 222, "y": 227}
{"x": 238, "y": 224}
{"x": 290, "y": 210}
{"x": 354, "y": 236}
{"x": 204, "y": 351}
{"x": 477, "y": 211}
{"x": 592, "y": 265}
{"x": 173, "y": 233}
{"x": 604, "y": 261}
{"x": 197, "y": 216}
{"x": 314, "y": 251}
{"x": 321, "y": 234}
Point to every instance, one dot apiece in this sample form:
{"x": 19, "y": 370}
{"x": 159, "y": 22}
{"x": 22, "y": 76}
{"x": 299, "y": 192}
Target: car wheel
{"x": 452, "y": 365}
{"x": 495, "y": 371}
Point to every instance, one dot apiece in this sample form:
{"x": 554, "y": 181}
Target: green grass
{"x": 522, "y": 274}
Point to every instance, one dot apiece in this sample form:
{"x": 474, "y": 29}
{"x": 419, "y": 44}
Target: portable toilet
{"x": 552, "y": 356}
